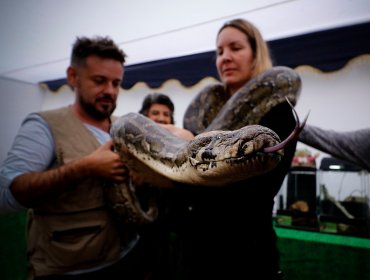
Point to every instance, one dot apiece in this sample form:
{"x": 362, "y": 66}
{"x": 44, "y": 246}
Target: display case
{"x": 298, "y": 198}
{"x": 300, "y": 207}
{"x": 344, "y": 191}
{"x": 333, "y": 198}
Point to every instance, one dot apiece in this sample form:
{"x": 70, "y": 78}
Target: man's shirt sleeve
{"x": 32, "y": 151}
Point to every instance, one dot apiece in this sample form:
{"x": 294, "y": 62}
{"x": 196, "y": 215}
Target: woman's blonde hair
{"x": 261, "y": 52}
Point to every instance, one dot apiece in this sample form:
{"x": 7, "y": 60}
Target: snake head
{"x": 221, "y": 157}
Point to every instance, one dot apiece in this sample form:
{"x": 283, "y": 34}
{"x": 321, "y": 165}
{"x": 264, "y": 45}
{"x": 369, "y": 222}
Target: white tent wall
{"x": 36, "y": 35}
{"x": 17, "y": 99}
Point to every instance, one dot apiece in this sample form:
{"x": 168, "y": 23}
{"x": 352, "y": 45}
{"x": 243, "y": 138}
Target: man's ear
{"x": 72, "y": 77}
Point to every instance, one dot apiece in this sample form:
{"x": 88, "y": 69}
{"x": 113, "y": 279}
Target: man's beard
{"x": 96, "y": 114}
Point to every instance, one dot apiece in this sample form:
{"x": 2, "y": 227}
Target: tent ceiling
{"x": 326, "y": 50}
{"x": 36, "y": 36}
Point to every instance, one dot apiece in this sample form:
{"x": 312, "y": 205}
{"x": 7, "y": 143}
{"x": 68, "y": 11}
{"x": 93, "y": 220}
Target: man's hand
{"x": 105, "y": 163}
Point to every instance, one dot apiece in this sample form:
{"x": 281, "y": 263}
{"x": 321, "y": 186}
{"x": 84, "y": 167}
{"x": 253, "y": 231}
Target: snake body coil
{"x": 228, "y": 147}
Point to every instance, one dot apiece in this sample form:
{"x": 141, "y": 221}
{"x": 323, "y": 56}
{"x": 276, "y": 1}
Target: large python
{"x": 228, "y": 147}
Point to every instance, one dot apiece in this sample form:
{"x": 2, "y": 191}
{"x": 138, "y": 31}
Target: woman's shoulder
{"x": 179, "y": 132}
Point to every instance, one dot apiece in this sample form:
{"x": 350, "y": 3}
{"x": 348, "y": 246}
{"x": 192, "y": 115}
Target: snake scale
{"x": 229, "y": 146}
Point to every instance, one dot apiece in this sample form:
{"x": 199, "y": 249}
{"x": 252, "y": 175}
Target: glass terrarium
{"x": 297, "y": 206}
{"x": 344, "y": 191}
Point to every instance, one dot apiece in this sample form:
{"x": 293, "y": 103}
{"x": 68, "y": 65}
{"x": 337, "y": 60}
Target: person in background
{"x": 352, "y": 146}
{"x": 57, "y": 168}
{"x": 159, "y": 108}
{"x": 156, "y": 237}
{"x": 227, "y": 232}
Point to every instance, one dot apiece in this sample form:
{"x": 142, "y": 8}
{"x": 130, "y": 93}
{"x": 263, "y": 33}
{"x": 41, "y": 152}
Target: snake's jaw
{"x": 221, "y": 157}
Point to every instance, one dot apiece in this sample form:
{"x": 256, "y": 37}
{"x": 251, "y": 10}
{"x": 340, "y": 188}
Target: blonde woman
{"x": 227, "y": 232}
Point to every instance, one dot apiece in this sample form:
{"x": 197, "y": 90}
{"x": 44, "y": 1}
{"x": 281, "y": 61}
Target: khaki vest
{"x": 73, "y": 231}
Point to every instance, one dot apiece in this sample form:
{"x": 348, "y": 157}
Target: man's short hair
{"x": 103, "y": 47}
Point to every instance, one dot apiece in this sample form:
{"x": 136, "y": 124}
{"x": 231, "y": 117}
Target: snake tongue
{"x": 293, "y": 135}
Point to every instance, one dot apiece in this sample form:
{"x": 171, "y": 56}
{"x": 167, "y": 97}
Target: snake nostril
{"x": 207, "y": 154}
